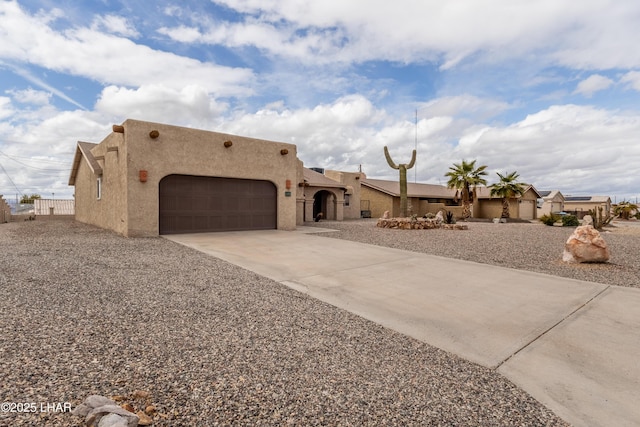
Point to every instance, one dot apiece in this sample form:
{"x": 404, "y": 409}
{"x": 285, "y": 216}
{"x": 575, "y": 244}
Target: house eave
{"x": 83, "y": 149}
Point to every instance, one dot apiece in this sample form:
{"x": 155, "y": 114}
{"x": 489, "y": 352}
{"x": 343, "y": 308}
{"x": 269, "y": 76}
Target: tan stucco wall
{"x": 549, "y": 207}
{"x": 131, "y": 207}
{"x": 5, "y": 211}
{"x": 492, "y": 208}
{"x": 299, "y": 192}
{"x": 583, "y": 207}
{"x": 110, "y": 210}
{"x": 352, "y": 180}
{"x": 379, "y": 202}
{"x": 434, "y": 208}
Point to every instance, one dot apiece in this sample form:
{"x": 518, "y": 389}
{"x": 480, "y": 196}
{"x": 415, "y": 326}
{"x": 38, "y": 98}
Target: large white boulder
{"x": 585, "y": 245}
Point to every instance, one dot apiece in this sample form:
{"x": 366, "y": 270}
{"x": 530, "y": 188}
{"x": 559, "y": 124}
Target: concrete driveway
{"x": 573, "y": 345}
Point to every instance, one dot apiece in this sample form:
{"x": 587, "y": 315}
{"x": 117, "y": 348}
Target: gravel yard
{"x": 85, "y": 311}
{"x": 525, "y": 246}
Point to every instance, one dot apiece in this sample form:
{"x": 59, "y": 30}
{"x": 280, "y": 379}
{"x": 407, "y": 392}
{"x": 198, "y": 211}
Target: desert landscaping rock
{"x": 87, "y": 312}
{"x": 585, "y": 245}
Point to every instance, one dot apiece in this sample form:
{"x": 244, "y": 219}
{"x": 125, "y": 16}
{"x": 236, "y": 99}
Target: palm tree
{"x": 507, "y": 187}
{"x": 624, "y": 209}
{"x": 463, "y": 177}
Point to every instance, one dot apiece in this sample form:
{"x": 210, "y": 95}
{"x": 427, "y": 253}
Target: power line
{"x": 33, "y": 167}
{"x": 10, "y": 180}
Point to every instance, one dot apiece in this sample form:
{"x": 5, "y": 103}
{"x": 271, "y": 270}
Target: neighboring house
{"x": 146, "y": 179}
{"x": 580, "y": 205}
{"x": 381, "y": 195}
{"x": 54, "y": 207}
{"x": 521, "y": 207}
{"x": 550, "y": 202}
{"x": 5, "y": 210}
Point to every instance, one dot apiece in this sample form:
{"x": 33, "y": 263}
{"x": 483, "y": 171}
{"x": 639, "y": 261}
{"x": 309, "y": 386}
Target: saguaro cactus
{"x": 403, "y": 178}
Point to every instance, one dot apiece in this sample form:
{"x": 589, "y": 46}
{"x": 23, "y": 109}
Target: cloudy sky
{"x": 547, "y": 88}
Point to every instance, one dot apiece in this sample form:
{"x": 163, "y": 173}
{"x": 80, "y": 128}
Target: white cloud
{"x": 464, "y": 105}
{"x": 593, "y": 84}
{"x": 40, "y": 147}
{"x": 632, "y": 79}
{"x": 552, "y": 149}
{"x": 31, "y": 96}
{"x": 587, "y": 34}
{"x": 556, "y": 148}
{"x": 182, "y": 34}
{"x": 107, "y": 58}
{"x": 189, "y": 106}
{"x": 6, "y": 109}
{"x": 115, "y": 25}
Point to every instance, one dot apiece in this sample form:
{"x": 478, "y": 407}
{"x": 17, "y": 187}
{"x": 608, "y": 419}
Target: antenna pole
{"x": 415, "y": 171}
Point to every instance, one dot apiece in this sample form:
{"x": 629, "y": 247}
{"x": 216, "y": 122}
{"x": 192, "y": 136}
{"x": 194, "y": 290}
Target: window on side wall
{"x": 346, "y": 199}
{"x": 99, "y": 188}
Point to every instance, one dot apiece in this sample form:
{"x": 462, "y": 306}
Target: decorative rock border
{"x": 417, "y": 224}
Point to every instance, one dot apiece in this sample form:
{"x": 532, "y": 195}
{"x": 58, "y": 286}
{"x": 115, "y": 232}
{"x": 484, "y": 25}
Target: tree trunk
{"x": 505, "y": 208}
{"x": 466, "y": 205}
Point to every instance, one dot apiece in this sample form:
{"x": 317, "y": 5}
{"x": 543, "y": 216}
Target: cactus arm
{"x": 388, "y": 157}
{"x": 413, "y": 160}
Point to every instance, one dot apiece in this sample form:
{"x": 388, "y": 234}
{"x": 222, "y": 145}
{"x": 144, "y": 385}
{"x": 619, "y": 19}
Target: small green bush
{"x": 549, "y": 219}
{"x": 570, "y": 221}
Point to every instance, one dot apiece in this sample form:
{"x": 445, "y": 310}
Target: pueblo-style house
{"x": 148, "y": 179}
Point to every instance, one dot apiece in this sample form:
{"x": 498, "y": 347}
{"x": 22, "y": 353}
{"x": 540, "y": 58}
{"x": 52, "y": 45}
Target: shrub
{"x": 570, "y": 221}
{"x": 549, "y": 219}
{"x": 448, "y": 218}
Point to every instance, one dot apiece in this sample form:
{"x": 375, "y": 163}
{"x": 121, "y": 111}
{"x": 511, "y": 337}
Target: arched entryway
{"x": 326, "y": 202}
{"x": 320, "y": 203}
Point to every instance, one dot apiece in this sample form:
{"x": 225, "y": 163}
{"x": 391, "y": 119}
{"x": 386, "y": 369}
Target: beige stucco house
{"x": 381, "y": 195}
{"x": 550, "y": 202}
{"x": 521, "y": 207}
{"x": 580, "y": 205}
{"x": 378, "y": 196}
{"x": 146, "y": 179}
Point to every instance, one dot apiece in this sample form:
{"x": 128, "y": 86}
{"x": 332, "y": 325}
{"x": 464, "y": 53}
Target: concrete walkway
{"x": 573, "y": 345}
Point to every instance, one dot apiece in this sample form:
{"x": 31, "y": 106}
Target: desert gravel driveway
{"x": 85, "y": 311}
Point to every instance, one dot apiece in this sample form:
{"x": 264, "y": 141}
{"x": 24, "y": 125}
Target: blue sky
{"x": 547, "y": 88}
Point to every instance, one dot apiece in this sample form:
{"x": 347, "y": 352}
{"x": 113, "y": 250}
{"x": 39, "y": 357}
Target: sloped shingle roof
{"x": 413, "y": 189}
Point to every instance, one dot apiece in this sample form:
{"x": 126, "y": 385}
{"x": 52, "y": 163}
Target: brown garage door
{"x": 197, "y": 204}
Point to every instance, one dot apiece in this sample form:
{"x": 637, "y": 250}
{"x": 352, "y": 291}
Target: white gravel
{"x": 85, "y": 311}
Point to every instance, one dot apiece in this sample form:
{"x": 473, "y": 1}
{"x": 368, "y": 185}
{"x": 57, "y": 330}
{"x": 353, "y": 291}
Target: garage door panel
{"x": 191, "y": 204}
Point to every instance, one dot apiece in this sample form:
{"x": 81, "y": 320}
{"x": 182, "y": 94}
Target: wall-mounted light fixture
{"x": 143, "y": 175}
{"x": 154, "y": 134}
